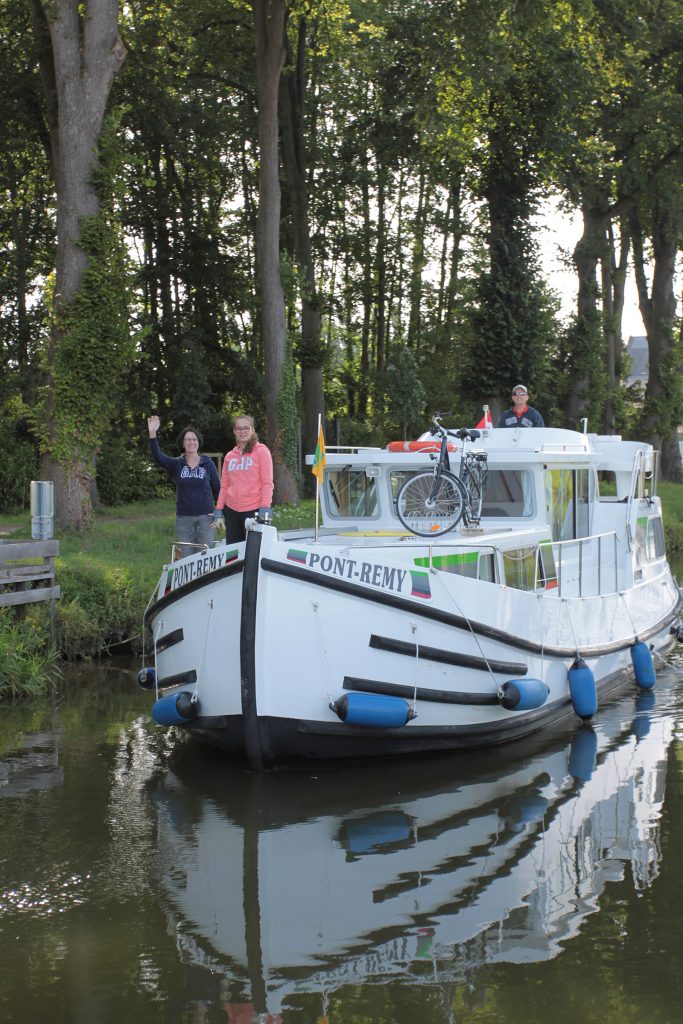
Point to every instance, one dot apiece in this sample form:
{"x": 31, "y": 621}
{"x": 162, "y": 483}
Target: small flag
{"x": 485, "y": 423}
{"x": 319, "y": 459}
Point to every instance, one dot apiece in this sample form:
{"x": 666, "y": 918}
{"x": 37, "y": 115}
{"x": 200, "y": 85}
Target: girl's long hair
{"x": 253, "y": 439}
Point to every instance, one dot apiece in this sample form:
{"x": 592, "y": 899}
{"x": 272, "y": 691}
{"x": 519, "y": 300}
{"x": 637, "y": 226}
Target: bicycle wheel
{"x": 429, "y": 505}
{"x": 474, "y": 480}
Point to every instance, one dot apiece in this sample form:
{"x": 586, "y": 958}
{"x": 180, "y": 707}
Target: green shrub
{"x": 18, "y": 458}
{"x": 125, "y": 473}
{"x": 100, "y": 606}
{"x": 27, "y": 666}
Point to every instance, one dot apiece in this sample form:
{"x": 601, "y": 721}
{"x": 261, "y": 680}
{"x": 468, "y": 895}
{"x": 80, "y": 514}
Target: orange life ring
{"x": 418, "y": 446}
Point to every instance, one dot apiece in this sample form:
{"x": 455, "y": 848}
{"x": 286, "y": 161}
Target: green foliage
{"x": 405, "y": 393}
{"x": 26, "y": 665}
{"x": 18, "y": 457}
{"x": 125, "y": 473}
{"x": 94, "y": 346}
{"x": 101, "y": 605}
{"x": 288, "y": 417}
{"x": 672, "y": 504}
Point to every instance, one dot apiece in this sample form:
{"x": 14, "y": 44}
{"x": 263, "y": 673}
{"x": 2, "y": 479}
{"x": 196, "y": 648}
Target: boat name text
{"x": 376, "y": 575}
{"x": 180, "y": 575}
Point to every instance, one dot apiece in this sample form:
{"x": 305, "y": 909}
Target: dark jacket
{"x": 196, "y": 489}
{"x": 529, "y": 418}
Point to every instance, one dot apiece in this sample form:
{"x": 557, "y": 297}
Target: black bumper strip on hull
{"x": 385, "y": 643}
{"x": 169, "y": 640}
{"x": 459, "y": 621}
{"x": 181, "y": 679}
{"x": 201, "y": 581}
{"x": 420, "y": 692}
{"x": 295, "y": 740}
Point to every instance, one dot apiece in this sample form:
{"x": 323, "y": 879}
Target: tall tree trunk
{"x": 418, "y": 264}
{"x": 85, "y": 54}
{"x": 367, "y": 297}
{"x": 381, "y": 328}
{"x": 586, "y": 335}
{"x": 613, "y": 285}
{"x": 311, "y": 351}
{"x": 663, "y": 406}
{"x": 269, "y": 22}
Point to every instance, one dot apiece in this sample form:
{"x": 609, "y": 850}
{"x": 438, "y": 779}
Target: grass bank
{"x": 107, "y": 576}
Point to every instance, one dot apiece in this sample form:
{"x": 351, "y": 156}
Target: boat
{"x": 360, "y": 638}
{"x": 287, "y": 889}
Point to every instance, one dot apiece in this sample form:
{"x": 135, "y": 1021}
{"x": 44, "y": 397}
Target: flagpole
{"x": 317, "y": 485}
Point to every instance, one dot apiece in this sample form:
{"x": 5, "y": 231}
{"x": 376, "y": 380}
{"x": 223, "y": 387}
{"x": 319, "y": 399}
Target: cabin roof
{"x": 538, "y": 444}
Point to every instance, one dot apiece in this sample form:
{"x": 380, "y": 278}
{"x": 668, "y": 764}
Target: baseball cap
{"x": 520, "y": 387}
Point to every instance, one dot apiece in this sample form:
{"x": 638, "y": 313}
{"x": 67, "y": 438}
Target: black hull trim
{"x": 181, "y": 679}
{"x": 295, "y": 741}
{"x": 169, "y": 640}
{"x": 385, "y": 643}
{"x": 459, "y": 621}
{"x": 252, "y": 723}
{"x": 419, "y": 692}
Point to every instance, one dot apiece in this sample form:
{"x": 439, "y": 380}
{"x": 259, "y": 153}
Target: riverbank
{"x": 107, "y": 576}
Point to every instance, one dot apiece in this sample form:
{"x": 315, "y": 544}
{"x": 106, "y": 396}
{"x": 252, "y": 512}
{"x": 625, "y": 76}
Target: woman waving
{"x": 196, "y": 482}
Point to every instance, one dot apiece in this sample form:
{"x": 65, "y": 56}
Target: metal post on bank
{"x": 43, "y": 528}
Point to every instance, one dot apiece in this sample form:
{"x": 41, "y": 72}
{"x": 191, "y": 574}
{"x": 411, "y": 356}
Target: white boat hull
{"x": 265, "y": 637}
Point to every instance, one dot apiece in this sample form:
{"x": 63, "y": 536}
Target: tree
{"x": 310, "y": 350}
{"x": 269, "y": 23}
{"x": 80, "y": 53}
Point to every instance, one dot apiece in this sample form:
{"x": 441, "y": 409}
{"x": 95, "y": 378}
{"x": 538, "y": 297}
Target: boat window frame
{"x": 330, "y": 500}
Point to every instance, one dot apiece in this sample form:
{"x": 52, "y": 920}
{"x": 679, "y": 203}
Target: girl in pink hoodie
{"x": 246, "y": 480}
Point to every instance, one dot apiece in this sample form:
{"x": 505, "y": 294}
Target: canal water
{"x": 143, "y": 880}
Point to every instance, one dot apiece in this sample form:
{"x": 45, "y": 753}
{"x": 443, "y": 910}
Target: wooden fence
{"x": 27, "y": 572}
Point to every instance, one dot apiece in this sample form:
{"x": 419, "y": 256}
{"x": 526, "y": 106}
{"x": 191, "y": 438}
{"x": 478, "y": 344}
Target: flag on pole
{"x": 319, "y": 459}
{"x": 485, "y": 422}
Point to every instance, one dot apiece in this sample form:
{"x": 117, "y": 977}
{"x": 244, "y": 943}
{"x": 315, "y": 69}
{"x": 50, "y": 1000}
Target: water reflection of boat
{"x": 290, "y": 884}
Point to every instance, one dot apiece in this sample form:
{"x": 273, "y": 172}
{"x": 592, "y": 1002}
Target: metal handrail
{"x": 558, "y": 547}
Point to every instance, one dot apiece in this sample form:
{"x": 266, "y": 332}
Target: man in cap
{"x": 521, "y": 414}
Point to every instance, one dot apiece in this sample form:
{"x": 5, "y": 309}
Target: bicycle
{"x": 432, "y": 502}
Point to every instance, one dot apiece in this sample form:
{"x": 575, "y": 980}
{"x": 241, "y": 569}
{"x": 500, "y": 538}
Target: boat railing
{"x": 580, "y": 567}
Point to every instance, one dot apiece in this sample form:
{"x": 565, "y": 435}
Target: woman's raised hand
{"x": 153, "y": 423}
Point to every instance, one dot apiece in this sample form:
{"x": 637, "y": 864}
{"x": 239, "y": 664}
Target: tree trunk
{"x": 613, "y": 283}
{"x": 663, "y": 404}
{"x": 269, "y": 22}
{"x": 86, "y": 54}
{"x": 311, "y": 352}
{"x": 586, "y": 335}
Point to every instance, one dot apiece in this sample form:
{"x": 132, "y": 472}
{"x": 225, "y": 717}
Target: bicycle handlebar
{"x": 463, "y": 434}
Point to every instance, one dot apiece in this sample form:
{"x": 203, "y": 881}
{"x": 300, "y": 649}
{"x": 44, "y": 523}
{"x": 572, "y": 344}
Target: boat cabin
{"x": 558, "y": 505}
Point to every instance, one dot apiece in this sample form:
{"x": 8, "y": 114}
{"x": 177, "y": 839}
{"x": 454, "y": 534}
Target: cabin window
{"x": 509, "y": 492}
{"x": 476, "y": 565}
{"x": 607, "y": 485}
{"x": 530, "y": 568}
{"x": 567, "y": 495}
{"x": 351, "y": 494}
{"x": 649, "y": 539}
{"x": 520, "y": 568}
